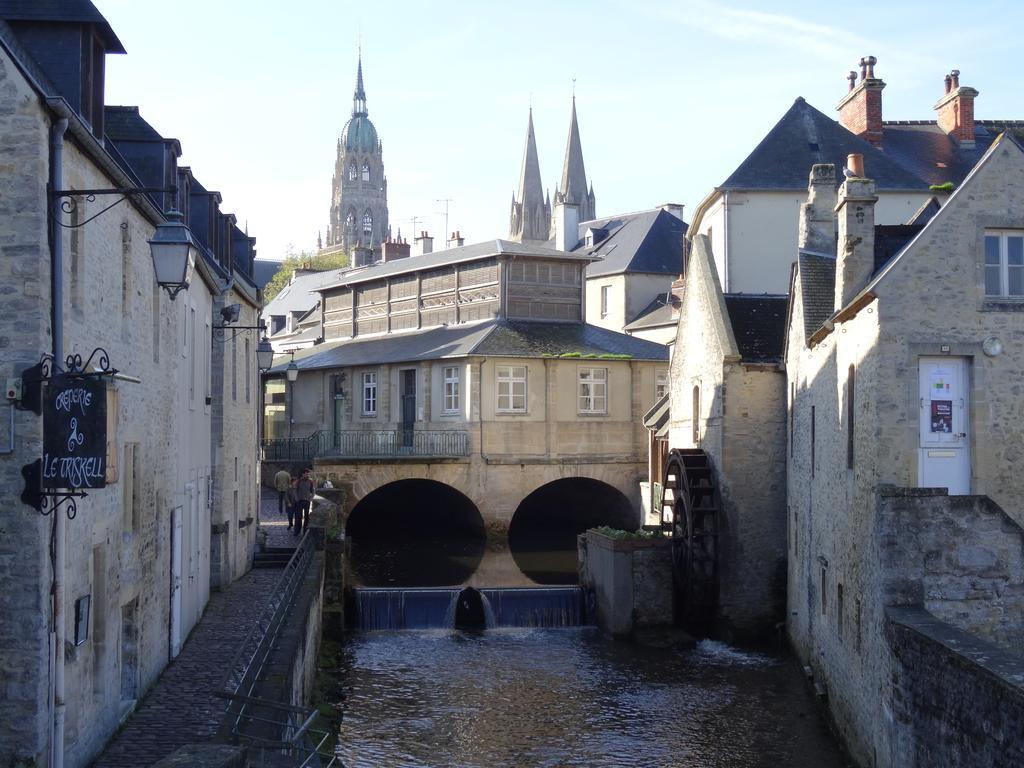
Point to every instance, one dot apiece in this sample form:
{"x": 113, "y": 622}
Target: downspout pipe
{"x": 59, "y": 519}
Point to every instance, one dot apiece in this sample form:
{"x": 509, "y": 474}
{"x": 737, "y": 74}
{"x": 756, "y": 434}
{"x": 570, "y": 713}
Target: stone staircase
{"x": 273, "y": 557}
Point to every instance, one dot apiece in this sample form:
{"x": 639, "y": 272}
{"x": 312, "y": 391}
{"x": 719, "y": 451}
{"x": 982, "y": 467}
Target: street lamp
{"x": 292, "y": 371}
{"x": 174, "y": 254}
{"x": 265, "y": 355}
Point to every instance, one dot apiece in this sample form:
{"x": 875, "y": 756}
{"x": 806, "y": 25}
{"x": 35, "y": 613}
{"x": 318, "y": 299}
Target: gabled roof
{"x": 300, "y": 295}
{"x": 817, "y": 275}
{"x": 758, "y": 325}
{"x": 80, "y": 11}
{"x": 647, "y": 242}
{"x": 803, "y": 137}
{"x": 655, "y": 315}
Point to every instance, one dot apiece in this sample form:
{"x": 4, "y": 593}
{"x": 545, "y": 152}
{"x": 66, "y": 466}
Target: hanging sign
{"x": 74, "y": 432}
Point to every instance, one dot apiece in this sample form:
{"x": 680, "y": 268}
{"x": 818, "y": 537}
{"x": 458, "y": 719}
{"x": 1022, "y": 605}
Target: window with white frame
{"x": 1004, "y": 263}
{"x": 511, "y": 388}
{"x": 593, "y": 390}
{"x": 660, "y": 383}
{"x": 370, "y": 393}
{"x": 451, "y": 389}
{"x": 605, "y": 289}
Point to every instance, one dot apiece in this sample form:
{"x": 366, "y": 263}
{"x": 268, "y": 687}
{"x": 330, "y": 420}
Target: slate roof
{"x": 915, "y": 154}
{"x": 300, "y": 295}
{"x": 412, "y": 346}
{"x": 647, "y": 242}
{"x": 493, "y": 338}
{"x": 656, "y": 314}
{"x": 818, "y": 289}
{"x": 531, "y": 339}
{"x": 81, "y": 11}
{"x": 263, "y": 271}
{"x": 450, "y": 256}
{"x": 890, "y": 239}
{"x": 124, "y": 123}
{"x": 759, "y": 325}
{"x": 804, "y": 136}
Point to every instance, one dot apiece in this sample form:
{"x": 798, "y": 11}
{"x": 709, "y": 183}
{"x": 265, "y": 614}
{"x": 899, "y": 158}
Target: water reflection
{"x": 571, "y": 698}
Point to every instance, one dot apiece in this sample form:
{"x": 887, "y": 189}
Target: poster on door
{"x": 942, "y": 416}
{"x": 941, "y": 385}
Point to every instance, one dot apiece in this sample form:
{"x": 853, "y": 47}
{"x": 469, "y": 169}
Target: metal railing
{"x": 366, "y": 444}
{"x": 272, "y": 729}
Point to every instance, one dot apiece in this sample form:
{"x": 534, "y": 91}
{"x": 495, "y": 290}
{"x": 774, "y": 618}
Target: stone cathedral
{"x": 359, "y": 189}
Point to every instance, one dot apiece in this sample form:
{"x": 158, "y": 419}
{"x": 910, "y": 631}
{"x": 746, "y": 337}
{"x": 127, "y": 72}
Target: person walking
{"x": 304, "y": 490}
{"x": 282, "y": 482}
{"x": 292, "y": 500}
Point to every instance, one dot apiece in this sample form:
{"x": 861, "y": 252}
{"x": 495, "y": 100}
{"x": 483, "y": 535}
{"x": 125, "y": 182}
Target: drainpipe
{"x": 480, "y": 406}
{"x": 59, "y": 520}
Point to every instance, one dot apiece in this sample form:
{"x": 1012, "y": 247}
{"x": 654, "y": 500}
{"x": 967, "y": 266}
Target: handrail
{"x": 383, "y": 443}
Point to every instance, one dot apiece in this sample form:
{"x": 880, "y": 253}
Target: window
{"x": 824, "y": 592}
{"x": 192, "y": 358}
{"x": 248, "y": 372}
{"x": 604, "y": 300}
{"x": 367, "y": 223}
{"x": 695, "y": 417}
{"x": 512, "y": 388}
{"x": 351, "y": 171}
{"x": 1004, "y": 264}
{"x": 792, "y": 417}
{"x": 369, "y": 394}
{"x": 350, "y": 222}
{"x": 366, "y": 172}
{"x": 839, "y": 611}
{"x": 849, "y": 418}
{"x": 234, "y": 368}
{"x": 593, "y": 390}
{"x": 451, "y": 390}
{"x": 812, "y": 440}
{"x": 660, "y": 383}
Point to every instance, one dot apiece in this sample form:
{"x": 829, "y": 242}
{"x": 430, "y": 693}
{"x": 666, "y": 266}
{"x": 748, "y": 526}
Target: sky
{"x": 671, "y": 95}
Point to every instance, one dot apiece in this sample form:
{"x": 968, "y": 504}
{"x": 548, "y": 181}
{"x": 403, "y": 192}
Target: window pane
{"x": 992, "y": 280}
{"x": 1015, "y": 276}
{"x": 991, "y": 249}
{"x": 519, "y": 372}
{"x": 600, "y": 373}
{"x": 1015, "y": 250}
{"x": 599, "y": 403}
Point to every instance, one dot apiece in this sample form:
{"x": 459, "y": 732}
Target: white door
{"x": 944, "y": 452}
{"x": 175, "y": 581}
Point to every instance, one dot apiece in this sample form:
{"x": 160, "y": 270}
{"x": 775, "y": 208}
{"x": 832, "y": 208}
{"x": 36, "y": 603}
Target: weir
{"x": 377, "y": 608}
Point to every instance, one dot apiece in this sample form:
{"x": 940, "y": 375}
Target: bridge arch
{"x": 415, "y": 532}
{"x": 543, "y": 530}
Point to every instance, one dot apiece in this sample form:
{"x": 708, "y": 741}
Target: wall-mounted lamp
{"x": 292, "y": 371}
{"x": 230, "y": 315}
{"x": 172, "y": 247}
{"x": 265, "y": 355}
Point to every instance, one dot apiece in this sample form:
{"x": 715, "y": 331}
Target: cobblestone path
{"x": 180, "y": 708}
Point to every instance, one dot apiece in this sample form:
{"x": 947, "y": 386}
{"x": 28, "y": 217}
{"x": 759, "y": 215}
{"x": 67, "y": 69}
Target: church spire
{"x": 359, "y": 96}
{"x": 531, "y": 218}
{"x": 574, "y": 188}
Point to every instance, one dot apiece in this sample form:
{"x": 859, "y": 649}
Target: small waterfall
{"x": 439, "y": 607}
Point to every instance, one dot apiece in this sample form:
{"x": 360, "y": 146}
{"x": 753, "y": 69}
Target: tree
{"x": 317, "y": 262}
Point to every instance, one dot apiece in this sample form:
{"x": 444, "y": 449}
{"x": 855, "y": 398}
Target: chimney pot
{"x": 855, "y": 164}
{"x": 852, "y": 77}
{"x": 949, "y": 83}
{"x": 955, "y": 76}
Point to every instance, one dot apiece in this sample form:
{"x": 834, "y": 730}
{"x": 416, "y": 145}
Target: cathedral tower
{"x": 530, "y": 218}
{"x": 359, "y": 189}
{"x": 573, "y": 187}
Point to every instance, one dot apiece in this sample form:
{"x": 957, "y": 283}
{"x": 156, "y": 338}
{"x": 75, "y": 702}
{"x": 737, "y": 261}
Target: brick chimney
{"x": 456, "y": 240}
{"x": 393, "y": 250}
{"x": 818, "y": 214}
{"x": 855, "y": 257}
{"x": 956, "y": 110}
{"x": 424, "y": 244}
{"x": 860, "y": 111}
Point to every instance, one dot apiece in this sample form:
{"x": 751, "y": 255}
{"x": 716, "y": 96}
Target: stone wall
{"x": 958, "y": 700}
{"x": 631, "y": 580}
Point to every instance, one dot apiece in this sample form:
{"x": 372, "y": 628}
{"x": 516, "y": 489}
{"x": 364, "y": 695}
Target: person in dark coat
{"x": 292, "y": 499}
{"x": 304, "y": 490}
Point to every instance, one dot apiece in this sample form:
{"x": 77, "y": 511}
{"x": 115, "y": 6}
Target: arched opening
{"x": 415, "y": 533}
{"x": 469, "y": 610}
{"x": 543, "y": 531}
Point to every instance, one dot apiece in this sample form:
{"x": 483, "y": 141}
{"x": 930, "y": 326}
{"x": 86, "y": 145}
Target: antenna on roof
{"x": 445, "y": 200}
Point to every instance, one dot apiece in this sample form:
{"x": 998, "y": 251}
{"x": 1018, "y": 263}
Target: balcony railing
{"x": 362, "y": 444}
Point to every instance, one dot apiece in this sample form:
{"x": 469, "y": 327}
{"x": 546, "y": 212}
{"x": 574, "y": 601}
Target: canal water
{"x": 571, "y": 697}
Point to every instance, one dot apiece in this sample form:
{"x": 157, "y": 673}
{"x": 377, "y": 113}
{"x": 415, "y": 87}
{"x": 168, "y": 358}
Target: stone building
{"x": 751, "y": 217}
{"x": 359, "y": 188}
{"x": 474, "y": 368}
{"x": 98, "y": 612}
{"x": 727, "y": 381}
{"x": 906, "y": 551}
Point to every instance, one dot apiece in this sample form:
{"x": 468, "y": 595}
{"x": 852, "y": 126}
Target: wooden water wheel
{"x": 690, "y": 505}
